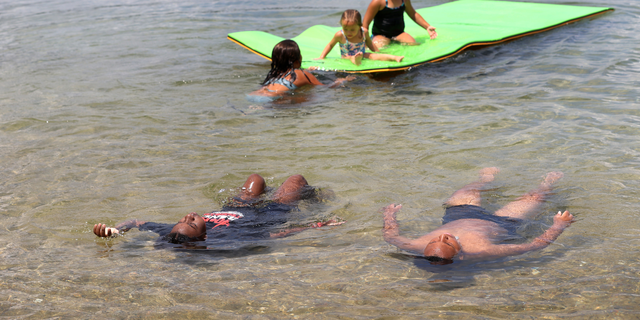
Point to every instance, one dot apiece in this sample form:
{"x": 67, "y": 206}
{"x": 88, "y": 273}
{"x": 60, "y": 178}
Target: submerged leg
{"x": 525, "y": 207}
{"x": 253, "y": 187}
{"x": 291, "y": 190}
{"x": 470, "y": 194}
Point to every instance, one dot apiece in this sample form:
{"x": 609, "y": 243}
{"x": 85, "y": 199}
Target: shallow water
{"x": 122, "y": 109}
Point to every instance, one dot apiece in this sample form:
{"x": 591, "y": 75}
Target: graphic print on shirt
{"x": 222, "y": 218}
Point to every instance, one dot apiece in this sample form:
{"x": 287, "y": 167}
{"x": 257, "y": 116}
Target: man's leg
{"x": 470, "y": 194}
{"x": 291, "y": 190}
{"x": 525, "y": 207}
{"x": 253, "y": 187}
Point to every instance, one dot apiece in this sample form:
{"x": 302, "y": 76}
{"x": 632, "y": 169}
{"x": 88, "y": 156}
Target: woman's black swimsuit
{"x": 389, "y": 22}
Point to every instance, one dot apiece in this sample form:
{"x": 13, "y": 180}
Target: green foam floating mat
{"x": 460, "y": 25}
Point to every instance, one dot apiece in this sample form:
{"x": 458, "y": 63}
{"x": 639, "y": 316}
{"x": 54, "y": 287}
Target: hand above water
{"x": 101, "y": 230}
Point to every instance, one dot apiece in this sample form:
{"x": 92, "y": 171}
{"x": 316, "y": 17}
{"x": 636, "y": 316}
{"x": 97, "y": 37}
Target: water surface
{"x": 136, "y": 109}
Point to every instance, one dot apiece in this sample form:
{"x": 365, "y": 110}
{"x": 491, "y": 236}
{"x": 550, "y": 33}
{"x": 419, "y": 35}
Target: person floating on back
{"x": 245, "y": 217}
{"x": 388, "y": 22}
{"x": 469, "y": 232}
{"x": 353, "y": 40}
{"x": 285, "y": 74}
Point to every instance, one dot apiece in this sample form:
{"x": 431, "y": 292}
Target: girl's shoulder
{"x": 305, "y": 77}
{"x": 339, "y": 36}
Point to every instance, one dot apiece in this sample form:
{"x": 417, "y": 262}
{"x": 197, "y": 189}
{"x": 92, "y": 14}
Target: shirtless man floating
{"x": 469, "y": 232}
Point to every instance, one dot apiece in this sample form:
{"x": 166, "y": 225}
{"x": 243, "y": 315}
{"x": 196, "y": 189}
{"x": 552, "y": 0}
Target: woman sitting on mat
{"x": 353, "y": 40}
{"x": 388, "y": 22}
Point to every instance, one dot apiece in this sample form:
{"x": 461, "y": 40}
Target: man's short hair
{"x": 438, "y": 260}
{"x": 178, "y": 238}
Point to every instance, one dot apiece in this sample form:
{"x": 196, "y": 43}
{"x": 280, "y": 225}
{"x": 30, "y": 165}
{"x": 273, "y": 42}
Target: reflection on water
{"x": 119, "y": 110}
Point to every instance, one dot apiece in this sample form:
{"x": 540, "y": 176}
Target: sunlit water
{"x": 111, "y": 110}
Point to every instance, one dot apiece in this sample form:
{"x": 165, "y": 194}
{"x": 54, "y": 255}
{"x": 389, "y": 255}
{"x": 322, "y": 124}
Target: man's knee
{"x": 296, "y": 180}
{"x": 254, "y": 185}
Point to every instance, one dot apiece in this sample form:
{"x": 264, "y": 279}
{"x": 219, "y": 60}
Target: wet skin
{"x": 192, "y": 225}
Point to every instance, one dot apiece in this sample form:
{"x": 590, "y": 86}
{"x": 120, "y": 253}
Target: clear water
{"x": 111, "y": 110}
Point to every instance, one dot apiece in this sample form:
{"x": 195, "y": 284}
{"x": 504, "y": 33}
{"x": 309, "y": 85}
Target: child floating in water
{"x": 354, "y": 39}
{"x": 246, "y": 217}
{"x": 285, "y": 74}
{"x": 388, "y": 21}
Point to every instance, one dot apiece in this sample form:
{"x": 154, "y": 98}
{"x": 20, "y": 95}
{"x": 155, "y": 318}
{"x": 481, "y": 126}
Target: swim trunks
{"x": 475, "y": 212}
{"x": 349, "y": 49}
{"x": 389, "y": 22}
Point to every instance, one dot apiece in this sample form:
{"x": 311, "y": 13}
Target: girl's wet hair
{"x": 283, "y": 58}
{"x": 351, "y": 16}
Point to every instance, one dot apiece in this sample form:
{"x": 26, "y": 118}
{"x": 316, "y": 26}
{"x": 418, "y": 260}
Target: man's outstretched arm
{"x": 560, "y": 222}
{"x": 391, "y": 230}
{"x": 290, "y": 231}
{"x": 101, "y": 229}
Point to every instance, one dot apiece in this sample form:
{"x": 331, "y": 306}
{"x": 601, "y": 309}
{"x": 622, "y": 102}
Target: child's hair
{"x": 284, "y": 55}
{"x": 178, "y": 238}
{"x": 351, "y": 16}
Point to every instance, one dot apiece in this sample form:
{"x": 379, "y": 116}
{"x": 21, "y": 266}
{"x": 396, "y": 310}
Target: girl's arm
{"x": 304, "y": 77}
{"x": 372, "y": 10}
{"x": 332, "y": 43}
{"x": 369, "y": 43}
{"x": 417, "y": 18}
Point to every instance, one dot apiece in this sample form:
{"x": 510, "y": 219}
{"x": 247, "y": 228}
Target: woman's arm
{"x": 417, "y": 18}
{"x": 372, "y": 10}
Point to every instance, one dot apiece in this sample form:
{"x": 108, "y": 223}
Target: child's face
{"x": 350, "y": 29}
{"x": 192, "y": 226}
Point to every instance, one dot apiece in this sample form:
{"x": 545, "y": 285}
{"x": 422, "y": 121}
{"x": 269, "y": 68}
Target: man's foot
{"x": 552, "y": 177}
{"x": 549, "y": 180}
{"x": 488, "y": 174}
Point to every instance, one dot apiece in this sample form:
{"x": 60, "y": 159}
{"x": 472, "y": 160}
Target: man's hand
{"x": 331, "y": 222}
{"x": 390, "y": 211}
{"x": 101, "y": 230}
{"x": 563, "y": 219}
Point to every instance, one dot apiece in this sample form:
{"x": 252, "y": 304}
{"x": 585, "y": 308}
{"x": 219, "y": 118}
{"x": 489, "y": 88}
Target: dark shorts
{"x": 475, "y": 212}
